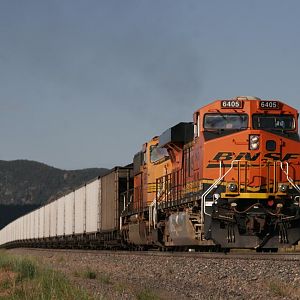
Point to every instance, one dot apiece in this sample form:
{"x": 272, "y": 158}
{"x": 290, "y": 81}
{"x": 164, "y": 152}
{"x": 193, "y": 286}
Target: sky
{"x": 86, "y": 83}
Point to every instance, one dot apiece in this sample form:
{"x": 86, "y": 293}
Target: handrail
{"x": 129, "y": 196}
{"x": 203, "y": 196}
{"x": 221, "y": 177}
{"x": 286, "y": 172}
{"x": 153, "y": 214}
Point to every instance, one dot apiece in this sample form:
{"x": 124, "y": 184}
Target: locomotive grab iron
{"x": 229, "y": 179}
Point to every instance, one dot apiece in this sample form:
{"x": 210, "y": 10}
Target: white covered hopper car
{"x": 88, "y": 216}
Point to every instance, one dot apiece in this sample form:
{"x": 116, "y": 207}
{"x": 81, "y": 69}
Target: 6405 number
{"x": 269, "y": 104}
{"x": 231, "y": 104}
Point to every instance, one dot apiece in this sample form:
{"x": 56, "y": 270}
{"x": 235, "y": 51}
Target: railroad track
{"x": 249, "y": 255}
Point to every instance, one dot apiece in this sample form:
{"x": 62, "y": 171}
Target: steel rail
{"x": 246, "y": 255}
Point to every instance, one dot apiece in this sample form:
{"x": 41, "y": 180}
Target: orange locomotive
{"x": 229, "y": 179}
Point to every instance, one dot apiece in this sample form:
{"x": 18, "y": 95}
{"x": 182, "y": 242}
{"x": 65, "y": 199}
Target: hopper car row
{"x": 86, "y": 217}
{"x": 228, "y": 179}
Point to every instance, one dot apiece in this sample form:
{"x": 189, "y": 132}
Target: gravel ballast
{"x": 136, "y": 276}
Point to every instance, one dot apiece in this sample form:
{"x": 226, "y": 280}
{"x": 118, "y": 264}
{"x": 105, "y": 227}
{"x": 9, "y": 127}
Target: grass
{"x": 61, "y": 259}
{"x": 26, "y": 278}
{"x": 281, "y": 289}
{"x": 90, "y": 274}
{"x": 104, "y": 278}
{"x": 22, "y": 278}
{"x": 147, "y": 295}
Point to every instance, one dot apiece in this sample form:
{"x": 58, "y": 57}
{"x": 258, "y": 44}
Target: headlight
{"x": 283, "y": 188}
{"x": 254, "y": 142}
{"x": 254, "y": 146}
{"x": 232, "y": 187}
{"x": 254, "y": 138}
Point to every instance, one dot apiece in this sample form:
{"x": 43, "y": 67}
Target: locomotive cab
{"x": 140, "y": 214}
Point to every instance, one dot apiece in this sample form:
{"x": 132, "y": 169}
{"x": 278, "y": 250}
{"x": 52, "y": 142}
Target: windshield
{"x": 225, "y": 121}
{"x": 275, "y": 122}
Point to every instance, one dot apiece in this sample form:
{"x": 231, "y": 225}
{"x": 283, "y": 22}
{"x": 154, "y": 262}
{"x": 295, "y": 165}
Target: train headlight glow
{"x": 254, "y": 142}
{"x": 254, "y": 146}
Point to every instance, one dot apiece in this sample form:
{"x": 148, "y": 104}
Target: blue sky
{"x": 85, "y": 83}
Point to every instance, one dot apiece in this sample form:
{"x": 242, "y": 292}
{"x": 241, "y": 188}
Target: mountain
{"x": 24, "y": 182}
{"x": 25, "y": 185}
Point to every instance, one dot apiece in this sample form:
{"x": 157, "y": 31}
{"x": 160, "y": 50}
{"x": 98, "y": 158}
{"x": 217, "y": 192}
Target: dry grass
{"x": 22, "y": 278}
{"x": 282, "y": 289}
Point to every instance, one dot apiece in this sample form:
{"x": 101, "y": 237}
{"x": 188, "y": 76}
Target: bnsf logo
{"x": 223, "y": 156}
{"x": 247, "y": 156}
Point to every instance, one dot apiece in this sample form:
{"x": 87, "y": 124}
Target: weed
{"x": 61, "y": 259}
{"x": 104, "y": 278}
{"x": 6, "y": 263}
{"x": 120, "y": 287}
{"x": 147, "y": 295}
{"x": 76, "y": 274}
{"x": 281, "y": 289}
{"x": 25, "y": 268}
{"x": 5, "y": 284}
{"x": 90, "y": 274}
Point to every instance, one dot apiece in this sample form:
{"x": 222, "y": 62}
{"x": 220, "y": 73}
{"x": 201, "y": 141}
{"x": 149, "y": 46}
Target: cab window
{"x": 157, "y": 153}
{"x": 273, "y": 122}
{"x": 225, "y": 121}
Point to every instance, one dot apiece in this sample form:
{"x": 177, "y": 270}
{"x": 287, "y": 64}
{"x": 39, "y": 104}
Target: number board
{"x": 269, "y": 105}
{"x": 231, "y": 104}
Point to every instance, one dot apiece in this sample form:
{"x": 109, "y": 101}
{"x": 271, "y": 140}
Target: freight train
{"x": 228, "y": 179}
